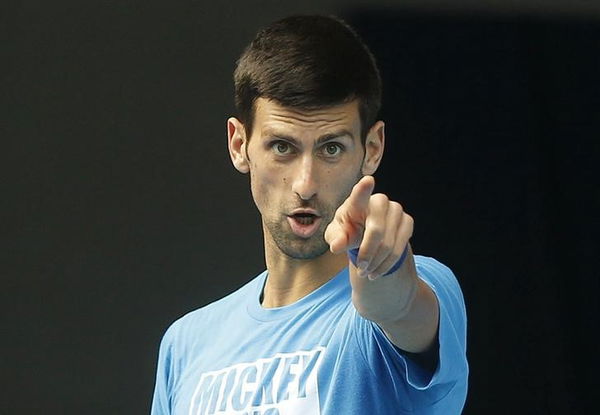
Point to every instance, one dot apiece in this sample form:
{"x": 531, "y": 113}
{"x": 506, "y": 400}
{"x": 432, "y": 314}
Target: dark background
{"x": 121, "y": 211}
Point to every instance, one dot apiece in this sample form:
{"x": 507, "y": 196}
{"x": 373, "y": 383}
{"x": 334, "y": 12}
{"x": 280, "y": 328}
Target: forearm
{"x": 402, "y": 304}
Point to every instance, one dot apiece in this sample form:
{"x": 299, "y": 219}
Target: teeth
{"x": 305, "y": 220}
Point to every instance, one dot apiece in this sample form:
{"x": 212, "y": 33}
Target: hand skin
{"x": 402, "y": 304}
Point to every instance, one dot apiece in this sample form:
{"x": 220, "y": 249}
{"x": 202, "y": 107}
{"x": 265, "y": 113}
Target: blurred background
{"x": 120, "y": 210}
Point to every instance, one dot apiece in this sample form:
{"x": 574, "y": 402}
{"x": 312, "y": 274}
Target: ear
{"x": 236, "y": 142}
{"x": 374, "y": 145}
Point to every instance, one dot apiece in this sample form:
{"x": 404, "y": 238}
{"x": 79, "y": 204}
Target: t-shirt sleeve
{"x": 446, "y": 387}
{"x": 161, "y": 400}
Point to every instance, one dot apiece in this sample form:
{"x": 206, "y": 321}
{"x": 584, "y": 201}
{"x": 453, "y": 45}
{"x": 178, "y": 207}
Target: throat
{"x": 290, "y": 280}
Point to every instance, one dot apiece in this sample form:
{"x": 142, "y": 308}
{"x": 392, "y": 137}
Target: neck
{"x": 291, "y": 279}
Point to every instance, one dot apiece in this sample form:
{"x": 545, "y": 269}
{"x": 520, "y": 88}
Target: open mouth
{"x": 304, "y": 224}
{"x": 304, "y": 218}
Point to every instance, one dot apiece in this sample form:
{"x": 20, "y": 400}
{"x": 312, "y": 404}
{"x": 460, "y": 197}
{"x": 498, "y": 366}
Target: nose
{"x": 304, "y": 184}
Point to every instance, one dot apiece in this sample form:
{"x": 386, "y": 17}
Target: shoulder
{"x": 431, "y": 269}
{"x": 442, "y": 281}
{"x": 211, "y": 316}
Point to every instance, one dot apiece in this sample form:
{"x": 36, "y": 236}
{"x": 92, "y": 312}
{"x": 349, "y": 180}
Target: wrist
{"x": 353, "y": 256}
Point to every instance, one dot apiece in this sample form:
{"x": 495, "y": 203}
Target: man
{"x": 345, "y": 320}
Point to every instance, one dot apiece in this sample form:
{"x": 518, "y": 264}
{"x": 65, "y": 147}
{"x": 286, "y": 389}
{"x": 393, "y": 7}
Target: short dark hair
{"x": 308, "y": 62}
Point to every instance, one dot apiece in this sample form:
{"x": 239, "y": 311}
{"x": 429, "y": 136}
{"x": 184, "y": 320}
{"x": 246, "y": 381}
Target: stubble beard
{"x": 296, "y": 247}
{"x": 315, "y": 246}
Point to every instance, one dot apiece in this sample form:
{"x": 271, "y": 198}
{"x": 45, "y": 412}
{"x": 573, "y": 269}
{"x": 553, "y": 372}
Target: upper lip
{"x": 304, "y": 211}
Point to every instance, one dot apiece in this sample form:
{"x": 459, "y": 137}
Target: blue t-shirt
{"x": 316, "y": 356}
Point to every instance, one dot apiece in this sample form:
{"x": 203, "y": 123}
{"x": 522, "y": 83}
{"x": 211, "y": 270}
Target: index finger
{"x": 358, "y": 201}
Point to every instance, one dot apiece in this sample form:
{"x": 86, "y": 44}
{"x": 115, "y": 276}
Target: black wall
{"x": 121, "y": 211}
{"x": 493, "y": 127}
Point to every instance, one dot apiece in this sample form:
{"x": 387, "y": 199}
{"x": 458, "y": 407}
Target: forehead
{"x": 271, "y": 117}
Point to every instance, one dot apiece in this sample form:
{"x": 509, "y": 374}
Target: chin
{"x": 304, "y": 250}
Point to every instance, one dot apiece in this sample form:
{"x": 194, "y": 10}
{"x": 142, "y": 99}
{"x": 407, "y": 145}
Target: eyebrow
{"x": 322, "y": 139}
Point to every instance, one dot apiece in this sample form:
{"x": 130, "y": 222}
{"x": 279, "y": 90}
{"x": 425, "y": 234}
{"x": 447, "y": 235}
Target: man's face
{"x": 302, "y": 166}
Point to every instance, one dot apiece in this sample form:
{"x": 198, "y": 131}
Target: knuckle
{"x": 364, "y": 256}
{"x": 388, "y": 242}
{"x": 386, "y": 248}
{"x": 379, "y": 199}
{"x": 376, "y": 232}
{"x": 341, "y": 215}
{"x": 397, "y": 207}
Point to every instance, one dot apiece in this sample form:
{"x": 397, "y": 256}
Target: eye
{"x": 281, "y": 148}
{"x": 333, "y": 149}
